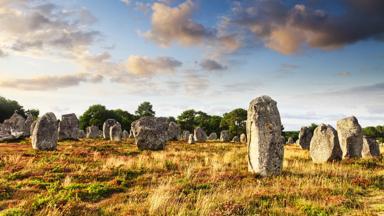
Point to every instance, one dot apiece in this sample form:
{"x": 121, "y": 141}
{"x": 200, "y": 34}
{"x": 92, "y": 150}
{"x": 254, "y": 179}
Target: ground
{"x": 99, "y": 177}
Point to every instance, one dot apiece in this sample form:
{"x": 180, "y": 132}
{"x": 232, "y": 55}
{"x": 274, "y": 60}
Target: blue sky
{"x": 315, "y": 58}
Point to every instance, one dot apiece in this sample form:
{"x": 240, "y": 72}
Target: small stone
{"x": 125, "y": 135}
{"x": 191, "y": 139}
{"x": 45, "y": 135}
{"x": 212, "y": 136}
{"x": 200, "y": 135}
{"x": 173, "y": 131}
{"x": 236, "y": 139}
{"x": 107, "y": 127}
{"x": 93, "y": 132}
{"x": 305, "y": 137}
{"x": 370, "y": 148}
{"x": 243, "y": 138}
{"x": 224, "y": 136}
{"x": 350, "y": 137}
{"x": 185, "y": 136}
{"x": 28, "y": 124}
{"x": 69, "y": 127}
{"x": 115, "y": 132}
{"x": 290, "y": 141}
{"x": 325, "y": 145}
{"x": 81, "y": 134}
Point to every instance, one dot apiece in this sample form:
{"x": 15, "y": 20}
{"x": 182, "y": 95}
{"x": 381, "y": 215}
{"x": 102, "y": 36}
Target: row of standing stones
{"x": 265, "y": 143}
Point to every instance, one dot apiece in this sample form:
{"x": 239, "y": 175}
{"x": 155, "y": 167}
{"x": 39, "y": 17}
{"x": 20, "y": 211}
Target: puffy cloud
{"x": 145, "y": 66}
{"x": 50, "y": 82}
{"x": 212, "y": 65}
{"x": 285, "y": 27}
{"x": 195, "y": 84}
{"x": 175, "y": 24}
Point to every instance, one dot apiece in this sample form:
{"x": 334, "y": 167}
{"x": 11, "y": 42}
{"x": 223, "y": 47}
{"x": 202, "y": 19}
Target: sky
{"x": 320, "y": 60}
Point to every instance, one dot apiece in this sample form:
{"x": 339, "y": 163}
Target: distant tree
{"x": 171, "y": 119}
{"x": 125, "y": 118}
{"x": 187, "y": 120}
{"x": 95, "y": 115}
{"x": 312, "y": 127}
{"x": 213, "y": 124}
{"x": 371, "y": 132}
{"x": 235, "y": 121}
{"x": 8, "y": 107}
{"x": 145, "y": 109}
{"x": 34, "y": 112}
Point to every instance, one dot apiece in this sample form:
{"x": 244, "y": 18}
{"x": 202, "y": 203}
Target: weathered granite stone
{"x": 69, "y": 127}
{"x": 185, "y": 136}
{"x": 290, "y": 140}
{"x": 224, "y": 136}
{"x": 370, "y": 148}
{"x": 15, "y": 125}
{"x": 93, "y": 132}
{"x": 243, "y": 138}
{"x": 81, "y": 134}
{"x": 150, "y": 133}
{"x": 191, "y": 139}
{"x": 350, "y": 137}
{"x": 173, "y": 131}
{"x": 265, "y": 150}
{"x": 131, "y": 135}
{"x": 45, "y": 135}
{"x": 115, "y": 132}
{"x": 28, "y": 124}
{"x": 32, "y": 127}
{"x": 236, "y": 139}
{"x": 199, "y": 135}
{"x": 325, "y": 145}
{"x": 107, "y": 127}
{"x": 282, "y": 139}
{"x": 125, "y": 135}
{"x": 305, "y": 137}
{"x": 212, "y": 136}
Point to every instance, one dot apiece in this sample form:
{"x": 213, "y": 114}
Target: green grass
{"x": 96, "y": 177}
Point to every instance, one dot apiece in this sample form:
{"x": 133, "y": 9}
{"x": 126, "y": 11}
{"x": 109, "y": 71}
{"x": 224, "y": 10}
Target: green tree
{"x": 187, "y": 120}
{"x": 125, "y": 118}
{"x": 371, "y": 132}
{"x": 95, "y": 115}
{"x": 34, "y": 112}
{"x": 235, "y": 121}
{"x": 145, "y": 109}
{"x": 8, "y": 107}
{"x": 312, "y": 127}
{"x": 213, "y": 124}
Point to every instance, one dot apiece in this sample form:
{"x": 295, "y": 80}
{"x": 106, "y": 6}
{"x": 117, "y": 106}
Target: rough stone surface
{"x": 81, "y": 134}
{"x": 290, "y": 140}
{"x": 199, "y": 135}
{"x": 69, "y": 127}
{"x": 185, "y": 136}
{"x": 370, "y": 148}
{"x": 325, "y": 145}
{"x": 191, "y": 139}
{"x": 150, "y": 133}
{"x": 282, "y": 140}
{"x": 92, "y": 132}
{"x": 212, "y": 136}
{"x": 236, "y": 139}
{"x": 107, "y": 127}
{"x": 173, "y": 131}
{"x": 32, "y": 127}
{"x": 45, "y": 135}
{"x": 131, "y": 135}
{"x": 125, "y": 135}
{"x": 243, "y": 138}
{"x": 265, "y": 150}
{"x": 15, "y": 125}
{"x": 224, "y": 136}
{"x": 350, "y": 137}
{"x": 305, "y": 137}
{"x": 115, "y": 132}
{"x": 28, "y": 124}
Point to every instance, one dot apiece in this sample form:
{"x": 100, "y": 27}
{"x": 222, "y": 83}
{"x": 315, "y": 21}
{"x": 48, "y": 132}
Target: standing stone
{"x": 28, "y": 124}
{"x": 224, "y": 136}
{"x": 243, "y": 138}
{"x": 115, "y": 132}
{"x": 370, "y": 148}
{"x": 325, "y": 145}
{"x": 16, "y": 125}
{"x": 81, "y": 134}
{"x": 131, "y": 135}
{"x": 200, "y": 135}
{"x": 290, "y": 140}
{"x": 32, "y": 127}
{"x": 282, "y": 139}
{"x": 236, "y": 139}
{"x": 191, "y": 139}
{"x": 44, "y": 136}
{"x": 125, "y": 135}
{"x": 173, "y": 131}
{"x": 350, "y": 137}
{"x": 107, "y": 127}
{"x": 305, "y": 137}
{"x": 92, "y": 132}
{"x": 185, "y": 136}
{"x": 212, "y": 136}
{"x": 265, "y": 150}
{"x": 69, "y": 127}
{"x": 150, "y": 133}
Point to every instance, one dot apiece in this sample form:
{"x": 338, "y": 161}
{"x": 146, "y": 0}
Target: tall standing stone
{"x": 150, "y": 133}
{"x": 305, "y": 137}
{"x": 350, "y": 137}
{"x": 173, "y": 131}
{"x": 325, "y": 145}
{"x": 107, "y": 127}
{"x": 15, "y": 125}
{"x": 115, "y": 132}
{"x": 243, "y": 138}
{"x": 191, "y": 139}
{"x": 200, "y": 135}
{"x": 265, "y": 150}
{"x": 290, "y": 140}
{"x": 28, "y": 124}
{"x": 81, "y": 134}
{"x": 212, "y": 136}
{"x": 125, "y": 135}
{"x": 185, "y": 136}
{"x": 224, "y": 136}
{"x": 92, "y": 132}
{"x": 45, "y": 135}
{"x": 69, "y": 127}
{"x": 370, "y": 148}
{"x": 32, "y": 127}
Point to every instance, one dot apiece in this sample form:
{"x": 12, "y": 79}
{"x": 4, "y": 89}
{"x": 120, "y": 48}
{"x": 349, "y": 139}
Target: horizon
{"x": 315, "y": 59}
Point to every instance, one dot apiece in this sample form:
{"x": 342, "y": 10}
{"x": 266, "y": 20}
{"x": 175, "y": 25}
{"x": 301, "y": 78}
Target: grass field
{"x": 103, "y": 178}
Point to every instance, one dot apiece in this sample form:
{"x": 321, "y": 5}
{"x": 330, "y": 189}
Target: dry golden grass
{"x": 103, "y": 178}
